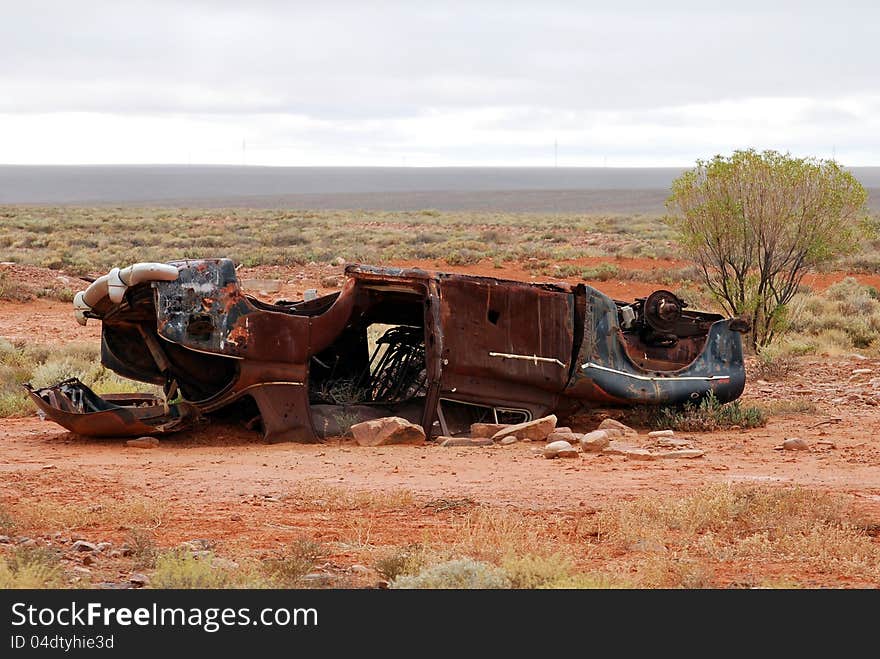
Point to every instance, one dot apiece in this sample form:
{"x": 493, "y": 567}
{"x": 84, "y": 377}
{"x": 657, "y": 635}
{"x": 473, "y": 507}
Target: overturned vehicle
{"x": 442, "y": 350}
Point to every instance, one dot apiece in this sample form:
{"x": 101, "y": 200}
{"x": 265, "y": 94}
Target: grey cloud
{"x": 344, "y": 60}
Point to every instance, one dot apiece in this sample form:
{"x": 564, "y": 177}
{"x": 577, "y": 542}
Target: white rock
{"x": 553, "y": 449}
{"x": 614, "y": 424}
{"x": 535, "y": 430}
{"x": 683, "y": 453}
{"x": 661, "y": 433}
{"x": 82, "y": 545}
{"x": 594, "y": 442}
{"x": 566, "y": 435}
{"x": 387, "y": 431}
{"x": 640, "y": 454}
{"x": 672, "y": 442}
{"x": 795, "y": 444}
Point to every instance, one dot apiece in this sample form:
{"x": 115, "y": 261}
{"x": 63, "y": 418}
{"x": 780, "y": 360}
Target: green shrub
{"x": 601, "y": 272}
{"x": 772, "y": 362}
{"x": 400, "y": 561}
{"x": 180, "y": 569}
{"x": 536, "y": 571}
{"x": 30, "y": 567}
{"x": 294, "y": 563}
{"x": 143, "y": 549}
{"x": 461, "y": 573}
{"x": 707, "y": 415}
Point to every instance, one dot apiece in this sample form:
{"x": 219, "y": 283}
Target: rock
{"x": 487, "y": 429}
{"x": 138, "y": 580}
{"x": 359, "y": 569}
{"x": 640, "y": 454}
{"x": 661, "y": 433}
{"x": 555, "y": 449}
{"x": 5, "y": 540}
{"x": 27, "y": 542}
{"x": 672, "y": 442}
{"x": 535, "y": 431}
{"x": 330, "y": 282}
{"x": 614, "y": 424}
{"x": 49, "y": 466}
{"x": 862, "y": 371}
{"x": 594, "y": 442}
{"x": 103, "y": 546}
{"x": 82, "y": 545}
{"x": 114, "y": 553}
{"x": 454, "y": 442}
{"x": 387, "y": 431}
{"x": 510, "y": 439}
{"x": 795, "y": 444}
{"x": 565, "y": 435}
{"x": 143, "y": 442}
{"x": 338, "y": 261}
{"x": 563, "y": 429}
{"x": 89, "y": 559}
{"x": 568, "y": 453}
{"x": 618, "y": 448}
{"x": 827, "y": 443}
{"x": 683, "y": 453}
{"x": 81, "y": 569}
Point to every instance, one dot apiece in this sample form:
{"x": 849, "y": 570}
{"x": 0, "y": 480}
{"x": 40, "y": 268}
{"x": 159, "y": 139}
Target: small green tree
{"x": 756, "y": 223}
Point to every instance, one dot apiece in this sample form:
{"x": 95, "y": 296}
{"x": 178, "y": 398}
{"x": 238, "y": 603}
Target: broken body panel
{"x": 442, "y": 350}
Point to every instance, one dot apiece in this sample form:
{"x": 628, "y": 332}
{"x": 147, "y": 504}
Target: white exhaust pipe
{"x": 116, "y": 282}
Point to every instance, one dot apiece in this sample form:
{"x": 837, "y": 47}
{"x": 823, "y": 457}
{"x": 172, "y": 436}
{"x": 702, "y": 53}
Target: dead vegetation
{"x": 766, "y": 535}
{"x": 715, "y": 536}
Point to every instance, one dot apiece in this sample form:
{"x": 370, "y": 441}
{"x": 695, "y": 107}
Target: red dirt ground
{"x": 222, "y": 483}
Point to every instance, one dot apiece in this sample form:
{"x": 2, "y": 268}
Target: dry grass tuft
{"x": 30, "y": 567}
{"x": 317, "y": 496}
{"x": 106, "y": 512}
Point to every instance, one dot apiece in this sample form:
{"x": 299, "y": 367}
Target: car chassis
{"x": 442, "y": 350}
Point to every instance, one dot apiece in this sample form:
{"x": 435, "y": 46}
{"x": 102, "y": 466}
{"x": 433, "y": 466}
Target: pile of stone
{"x": 610, "y": 438}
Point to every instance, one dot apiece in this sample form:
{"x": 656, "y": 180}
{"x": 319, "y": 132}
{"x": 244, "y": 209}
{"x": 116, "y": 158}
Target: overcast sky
{"x": 436, "y": 83}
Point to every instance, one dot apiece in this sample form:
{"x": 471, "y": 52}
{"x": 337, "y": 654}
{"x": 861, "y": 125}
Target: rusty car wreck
{"x": 441, "y": 350}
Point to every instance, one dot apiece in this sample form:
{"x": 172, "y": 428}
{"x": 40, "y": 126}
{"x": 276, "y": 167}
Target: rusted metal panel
{"x": 76, "y": 407}
{"x": 608, "y": 372}
{"x": 505, "y": 333}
